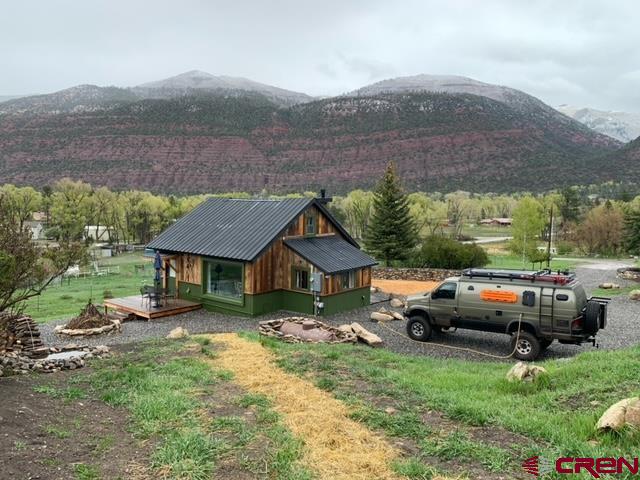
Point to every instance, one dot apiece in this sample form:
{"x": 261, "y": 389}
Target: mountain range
{"x": 197, "y": 132}
{"x": 623, "y": 126}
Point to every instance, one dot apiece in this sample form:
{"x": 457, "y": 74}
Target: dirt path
{"x": 336, "y": 447}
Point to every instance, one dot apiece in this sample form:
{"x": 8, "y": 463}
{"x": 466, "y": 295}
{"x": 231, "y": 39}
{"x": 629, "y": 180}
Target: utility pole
{"x": 549, "y": 240}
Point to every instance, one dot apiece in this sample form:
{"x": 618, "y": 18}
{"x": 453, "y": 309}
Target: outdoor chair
{"x": 148, "y": 294}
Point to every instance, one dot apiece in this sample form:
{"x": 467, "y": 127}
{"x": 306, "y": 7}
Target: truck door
{"x": 443, "y": 304}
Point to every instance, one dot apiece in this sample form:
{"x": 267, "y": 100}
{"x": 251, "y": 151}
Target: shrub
{"x": 107, "y": 294}
{"x": 442, "y": 252}
{"x": 564, "y": 248}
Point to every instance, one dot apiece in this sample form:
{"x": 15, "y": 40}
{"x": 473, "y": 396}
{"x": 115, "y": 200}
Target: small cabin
{"x": 252, "y": 257}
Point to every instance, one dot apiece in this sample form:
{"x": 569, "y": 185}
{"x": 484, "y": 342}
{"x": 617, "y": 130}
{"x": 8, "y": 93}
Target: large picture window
{"x": 224, "y": 279}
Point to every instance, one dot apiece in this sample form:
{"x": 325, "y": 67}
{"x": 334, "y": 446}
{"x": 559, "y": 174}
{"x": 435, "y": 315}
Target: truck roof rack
{"x": 546, "y": 275}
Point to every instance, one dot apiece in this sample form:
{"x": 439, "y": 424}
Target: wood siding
{"x": 332, "y": 283}
{"x": 189, "y": 269}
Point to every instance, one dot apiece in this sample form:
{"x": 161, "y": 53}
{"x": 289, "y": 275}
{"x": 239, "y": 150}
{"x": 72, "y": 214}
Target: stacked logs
{"x": 19, "y": 333}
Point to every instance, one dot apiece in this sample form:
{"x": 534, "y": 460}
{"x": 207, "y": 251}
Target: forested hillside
{"x": 208, "y": 143}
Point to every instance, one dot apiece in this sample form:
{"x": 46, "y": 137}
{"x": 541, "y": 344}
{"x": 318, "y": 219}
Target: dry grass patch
{"x": 336, "y": 447}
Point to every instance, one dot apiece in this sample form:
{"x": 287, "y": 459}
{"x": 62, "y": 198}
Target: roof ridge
{"x": 259, "y": 199}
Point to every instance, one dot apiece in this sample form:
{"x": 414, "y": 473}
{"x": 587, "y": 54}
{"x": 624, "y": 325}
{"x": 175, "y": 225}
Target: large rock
{"x": 523, "y": 372}
{"x": 345, "y": 328}
{"x": 177, "y": 333}
{"x": 619, "y": 415}
{"x": 396, "y": 303}
{"x": 634, "y": 294}
{"x": 609, "y": 285}
{"x": 380, "y": 317}
{"x": 366, "y": 336}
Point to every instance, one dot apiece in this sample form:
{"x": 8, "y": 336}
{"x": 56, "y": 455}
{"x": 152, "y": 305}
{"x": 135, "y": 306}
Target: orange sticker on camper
{"x": 503, "y": 296}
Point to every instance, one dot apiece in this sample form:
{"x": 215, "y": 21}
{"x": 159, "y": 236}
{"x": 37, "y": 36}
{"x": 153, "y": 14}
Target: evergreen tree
{"x": 570, "y": 206}
{"x": 391, "y": 233}
{"x": 632, "y": 231}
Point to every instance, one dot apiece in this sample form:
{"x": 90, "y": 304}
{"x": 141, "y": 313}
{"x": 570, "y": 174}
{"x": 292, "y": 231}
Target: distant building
{"x": 36, "y": 228}
{"x": 98, "y": 233}
{"x": 500, "y": 221}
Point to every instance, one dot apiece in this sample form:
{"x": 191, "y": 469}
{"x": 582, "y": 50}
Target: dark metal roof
{"x": 331, "y": 254}
{"x": 230, "y": 228}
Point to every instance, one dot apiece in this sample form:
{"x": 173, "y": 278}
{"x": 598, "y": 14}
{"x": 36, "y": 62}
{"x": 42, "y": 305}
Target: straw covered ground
{"x": 336, "y": 447}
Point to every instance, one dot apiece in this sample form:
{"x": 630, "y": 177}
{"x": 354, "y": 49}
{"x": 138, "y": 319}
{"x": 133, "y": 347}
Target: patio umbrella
{"x": 157, "y": 263}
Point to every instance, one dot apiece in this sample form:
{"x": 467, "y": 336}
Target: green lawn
{"x": 554, "y": 416}
{"x": 59, "y": 302}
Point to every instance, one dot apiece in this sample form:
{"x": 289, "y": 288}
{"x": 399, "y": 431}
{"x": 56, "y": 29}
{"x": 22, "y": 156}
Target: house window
{"x": 300, "y": 279}
{"x": 224, "y": 279}
{"x": 348, "y": 280}
{"x": 310, "y": 223}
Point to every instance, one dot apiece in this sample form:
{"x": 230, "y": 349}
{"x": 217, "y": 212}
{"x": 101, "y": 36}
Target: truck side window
{"x": 447, "y": 290}
{"x": 562, "y": 297}
{"x": 528, "y": 298}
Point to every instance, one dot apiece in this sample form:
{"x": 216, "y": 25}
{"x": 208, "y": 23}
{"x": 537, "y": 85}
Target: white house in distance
{"x": 98, "y": 233}
{"x": 36, "y": 228}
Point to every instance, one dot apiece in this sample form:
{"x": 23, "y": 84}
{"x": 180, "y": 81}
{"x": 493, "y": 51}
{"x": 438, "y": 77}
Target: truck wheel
{"x": 592, "y": 317}
{"x": 527, "y": 348}
{"x": 419, "y": 328}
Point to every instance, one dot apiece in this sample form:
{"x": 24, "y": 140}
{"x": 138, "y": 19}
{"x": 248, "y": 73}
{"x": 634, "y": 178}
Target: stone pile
{"x": 14, "y": 363}
{"x": 419, "y": 274}
{"x": 301, "y": 329}
{"x": 629, "y": 273}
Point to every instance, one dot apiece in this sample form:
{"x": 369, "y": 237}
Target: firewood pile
{"x": 91, "y": 321}
{"x": 90, "y": 317}
{"x": 19, "y": 333}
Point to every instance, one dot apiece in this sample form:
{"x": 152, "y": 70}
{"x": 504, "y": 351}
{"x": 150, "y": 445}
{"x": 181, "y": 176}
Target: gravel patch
{"x": 623, "y": 328}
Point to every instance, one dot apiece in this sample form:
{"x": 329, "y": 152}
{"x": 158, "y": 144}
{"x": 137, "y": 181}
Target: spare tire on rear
{"x": 592, "y": 317}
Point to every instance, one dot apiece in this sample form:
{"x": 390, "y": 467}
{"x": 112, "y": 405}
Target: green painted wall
{"x": 277, "y": 300}
{"x": 346, "y": 300}
{"x": 297, "y": 302}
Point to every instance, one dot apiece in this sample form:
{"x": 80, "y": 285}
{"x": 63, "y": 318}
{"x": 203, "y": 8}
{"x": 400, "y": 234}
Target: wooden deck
{"x": 135, "y": 305}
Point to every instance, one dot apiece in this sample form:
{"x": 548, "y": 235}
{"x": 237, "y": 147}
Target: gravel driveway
{"x": 623, "y": 327}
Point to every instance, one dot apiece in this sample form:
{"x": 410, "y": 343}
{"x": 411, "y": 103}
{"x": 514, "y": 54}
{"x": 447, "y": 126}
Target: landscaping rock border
{"x": 13, "y": 363}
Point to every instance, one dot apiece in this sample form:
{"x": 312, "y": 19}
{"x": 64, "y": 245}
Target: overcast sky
{"x": 584, "y": 53}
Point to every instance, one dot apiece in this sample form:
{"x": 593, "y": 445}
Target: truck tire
{"x": 419, "y": 328}
{"x": 528, "y": 346}
{"x": 591, "y": 317}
